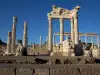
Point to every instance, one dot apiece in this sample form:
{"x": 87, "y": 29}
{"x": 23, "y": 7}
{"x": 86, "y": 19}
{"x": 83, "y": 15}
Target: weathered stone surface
{"x": 86, "y": 71}
{"x": 24, "y": 71}
{"x": 75, "y": 71}
{"x": 41, "y": 72}
{"x": 7, "y": 71}
{"x": 60, "y": 71}
{"x": 95, "y": 71}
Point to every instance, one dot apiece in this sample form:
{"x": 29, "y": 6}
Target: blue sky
{"x": 35, "y": 13}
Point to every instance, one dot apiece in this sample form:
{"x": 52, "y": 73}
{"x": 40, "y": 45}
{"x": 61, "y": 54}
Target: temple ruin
{"x": 68, "y": 57}
{"x": 73, "y": 46}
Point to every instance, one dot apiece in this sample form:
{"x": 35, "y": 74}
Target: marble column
{"x": 33, "y": 46}
{"x": 46, "y": 42}
{"x": 40, "y": 41}
{"x": 50, "y": 35}
{"x": 9, "y": 43}
{"x": 72, "y": 30}
{"x": 61, "y": 30}
{"x": 54, "y": 40}
{"x": 97, "y": 42}
{"x": 79, "y": 37}
{"x": 25, "y": 35}
{"x": 13, "y": 46}
{"x": 92, "y": 42}
{"x": 76, "y": 31}
{"x": 85, "y": 39}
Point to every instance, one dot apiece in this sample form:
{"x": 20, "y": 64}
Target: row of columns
{"x": 97, "y": 39}
{"x": 11, "y": 43}
{"x": 74, "y": 31}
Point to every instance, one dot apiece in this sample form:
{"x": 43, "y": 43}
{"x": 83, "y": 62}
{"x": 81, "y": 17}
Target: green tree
{"x": 19, "y": 41}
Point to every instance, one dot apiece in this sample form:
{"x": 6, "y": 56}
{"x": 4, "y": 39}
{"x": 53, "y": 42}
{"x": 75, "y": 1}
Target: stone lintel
{"x": 58, "y": 17}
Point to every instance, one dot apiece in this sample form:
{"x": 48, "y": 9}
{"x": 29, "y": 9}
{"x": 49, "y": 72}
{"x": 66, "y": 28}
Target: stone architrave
{"x": 25, "y": 35}
{"x": 13, "y": 46}
{"x": 61, "y": 30}
{"x": 50, "y": 35}
{"x": 8, "y": 51}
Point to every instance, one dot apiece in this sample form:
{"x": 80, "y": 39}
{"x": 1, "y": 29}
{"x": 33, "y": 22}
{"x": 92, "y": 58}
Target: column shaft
{"x": 61, "y": 31}
{"x": 40, "y": 41}
{"x": 9, "y": 43}
{"x": 53, "y": 40}
{"x": 50, "y": 35}
{"x": 76, "y": 29}
{"x": 72, "y": 30}
{"x": 25, "y": 35}
{"x": 85, "y": 39}
{"x": 13, "y": 46}
{"x": 46, "y": 42}
{"x": 97, "y": 42}
{"x": 92, "y": 42}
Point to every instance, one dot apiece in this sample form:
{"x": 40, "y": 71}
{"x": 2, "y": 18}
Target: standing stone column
{"x": 40, "y": 41}
{"x": 79, "y": 37}
{"x": 97, "y": 42}
{"x": 9, "y": 43}
{"x": 46, "y": 42}
{"x": 76, "y": 29}
{"x": 92, "y": 42}
{"x": 54, "y": 40}
{"x": 50, "y": 35}
{"x": 72, "y": 30}
{"x": 25, "y": 35}
{"x": 61, "y": 31}
{"x": 13, "y": 46}
{"x": 33, "y": 46}
{"x": 85, "y": 39}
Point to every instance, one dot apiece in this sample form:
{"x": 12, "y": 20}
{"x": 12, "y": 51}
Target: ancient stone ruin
{"x": 68, "y": 57}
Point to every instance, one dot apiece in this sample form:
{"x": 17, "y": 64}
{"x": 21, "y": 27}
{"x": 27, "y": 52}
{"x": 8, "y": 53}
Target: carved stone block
{"x": 86, "y": 71}
{"x": 41, "y": 72}
{"x": 95, "y": 71}
{"x": 7, "y": 71}
{"x": 24, "y": 72}
{"x": 60, "y": 71}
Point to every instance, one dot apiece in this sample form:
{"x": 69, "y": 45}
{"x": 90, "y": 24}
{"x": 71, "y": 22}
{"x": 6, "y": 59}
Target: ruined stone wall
{"x": 28, "y": 65}
{"x": 51, "y": 70}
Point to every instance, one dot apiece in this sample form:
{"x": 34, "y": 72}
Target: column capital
{"x": 49, "y": 18}
{"x": 75, "y": 16}
{"x": 14, "y": 19}
{"x": 61, "y": 19}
